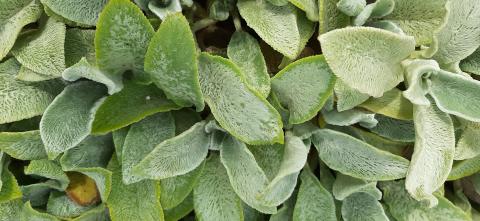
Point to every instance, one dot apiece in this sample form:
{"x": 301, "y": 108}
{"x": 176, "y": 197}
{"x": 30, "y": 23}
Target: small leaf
{"x": 351, "y": 7}
{"x": 239, "y": 109}
{"x": 171, "y": 61}
{"x": 244, "y": 51}
{"x": 83, "y": 69}
{"x": 97, "y": 213}
{"x": 22, "y": 100}
{"x": 102, "y": 178}
{"x": 330, "y": 17}
{"x": 162, "y": 11}
{"x": 471, "y": 64}
{"x": 410, "y": 16}
{"x": 268, "y": 157}
{"x": 25, "y": 74}
{"x": 9, "y": 188}
{"x": 180, "y": 211}
{"x": 362, "y": 206}
{"x": 372, "y": 69}
{"x": 345, "y": 186}
{"x": 395, "y": 147}
{"x": 48, "y": 169}
{"x": 60, "y": 205}
{"x": 79, "y": 43}
{"x": 184, "y": 119}
{"x": 138, "y": 201}
{"x": 141, "y": 140}
{"x": 130, "y": 105}
{"x": 43, "y": 52}
{"x": 74, "y": 109}
{"x": 357, "y": 159}
{"x": 467, "y": 144}
{"x": 404, "y": 208}
{"x": 393, "y": 129}
{"x": 464, "y": 168}
{"x": 347, "y": 97}
{"x": 391, "y": 104}
{"x": 432, "y": 158}
{"x": 247, "y": 179}
{"x": 176, "y": 189}
{"x": 87, "y": 14}
{"x": 460, "y": 36}
{"x": 29, "y": 213}
{"x": 314, "y": 202}
{"x": 94, "y": 151}
{"x": 303, "y": 87}
{"x": 310, "y": 7}
{"x": 11, "y": 210}
{"x": 15, "y": 15}
{"x": 175, "y": 156}
{"x": 276, "y": 25}
{"x": 213, "y": 196}
{"x": 82, "y": 190}
{"x": 121, "y": 39}
{"x": 350, "y": 117}
{"x": 23, "y": 145}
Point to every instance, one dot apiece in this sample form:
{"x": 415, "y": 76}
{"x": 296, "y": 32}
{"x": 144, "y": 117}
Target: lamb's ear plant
{"x": 239, "y": 110}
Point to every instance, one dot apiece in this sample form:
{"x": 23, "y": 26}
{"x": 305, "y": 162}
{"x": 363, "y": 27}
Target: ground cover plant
{"x": 239, "y": 110}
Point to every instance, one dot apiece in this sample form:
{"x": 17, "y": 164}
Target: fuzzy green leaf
{"x": 48, "y": 169}
{"x": 23, "y": 145}
{"x": 362, "y": 206}
{"x": 87, "y": 14}
{"x": 345, "y": 186}
{"x": 79, "y": 43}
{"x": 176, "y": 189}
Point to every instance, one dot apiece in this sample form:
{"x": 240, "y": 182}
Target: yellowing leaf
{"x": 82, "y": 189}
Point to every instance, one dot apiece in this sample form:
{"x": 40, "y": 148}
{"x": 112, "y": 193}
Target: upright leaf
{"x": 239, "y": 109}
{"x": 247, "y": 179}
{"x": 355, "y": 158}
{"x": 373, "y": 66}
{"x": 303, "y": 87}
{"x": 244, "y": 51}
{"x": 171, "y": 61}
{"x": 15, "y": 15}
{"x": 434, "y": 149}
{"x": 43, "y": 52}
{"x": 175, "y": 156}
{"x": 314, "y": 202}
{"x": 121, "y": 39}
{"x": 87, "y": 14}
{"x": 73, "y": 109}
{"x": 213, "y": 196}
{"x": 22, "y": 100}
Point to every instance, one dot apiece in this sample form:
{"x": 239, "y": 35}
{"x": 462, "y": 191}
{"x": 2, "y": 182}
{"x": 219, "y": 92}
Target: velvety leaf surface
{"x": 393, "y": 129}
{"x": 471, "y": 64}
{"x": 79, "y": 43}
{"x": 121, "y": 39}
{"x": 411, "y": 17}
{"x": 130, "y": 105}
{"x": 72, "y": 109}
{"x": 303, "y": 87}
{"x": 362, "y": 206}
{"x": 14, "y": 15}
{"x": 23, "y": 145}
{"x": 460, "y": 36}
{"x": 350, "y": 117}
{"x": 142, "y": 138}
{"x": 176, "y": 189}
{"x": 345, "y": 186}
{"x": 93, "y": 151}
{"x": 175, "y": 156}
{"x": 392, "y": 104}
{"x": 434, "y": 149}
{"x": 464, "y": 168}
{"x": 138, "y": 201}
{"x": 22, "y": 100}
{"x": 213, "y": 196}
{"x": 268, "y": 157}
{"x": 313, "y": 200}
{"x": 180, "y": 211}
{"x": 11, "y": 210}
{"x": 244, "y": 51}
{"x": 171, "y": 61}
{"x": 347, "y": 97}
{"x": 355, "y": 158}
{"x": 310, "y": 7}
{"x": 330, "y": 17}
{"x": 372, "y": 67}
{"x": 239, "y": 109}
{"x": 10, "y": 189}
{"x": 48, "y": 169}
{"x": 467, "y": 144}
{"x": 87, "y": 14}
{"x": 29, "y": 213}
{"x": 61, "y": 206}
{"x": 43, "y": 51}
{"x": 404, "y": 208}
{"x": 351, "y": 7}
{"x": 246, "y": 178}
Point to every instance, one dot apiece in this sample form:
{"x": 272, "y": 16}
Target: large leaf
{"x": 239, "y": 109}
{"x": 244, "y": 51}
{"x": 171, "y": 61}
{"x": 372, "y": 57}
{"x": 355, "y": 158}
{"x": 175, "y": 156}
{"x": 43, "y": 52}
{"x": 276, "y": 25}
{"x": 213, "y": 196}
{"x": 130, "y": 105}
{"x": 138, "y": 201}
{"x": 247, "y": 179}
{"x": 404, "y": 208}
{"x": 14, "y": 16}
{"x": 142, "y": 138}
{"x": 434, "y": 149}
{"x": 73, "y": 109}
{"x": 23, "y": 145}
{"x": 121, "y": 39}
{"x": 176, "y": 189}
{"x": 87, "y": 14}
{"x": 460, "y": 36}
{"x": 303, "y": 87}
{"x": 456, "y": 94}
{"x": 411, "y": 17}
{"x": 314, "y": 202}
{"x": 22, "y": 100}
